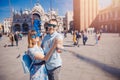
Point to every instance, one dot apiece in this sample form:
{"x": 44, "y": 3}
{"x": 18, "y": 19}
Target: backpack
{"x": 27, "y": 63}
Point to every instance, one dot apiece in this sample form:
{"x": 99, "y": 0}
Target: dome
{"x": 38, "y": 9}
{"x": 26, "y": 11}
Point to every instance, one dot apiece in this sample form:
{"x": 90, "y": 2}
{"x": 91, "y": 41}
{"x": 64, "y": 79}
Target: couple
{"x": 50, "y": 53}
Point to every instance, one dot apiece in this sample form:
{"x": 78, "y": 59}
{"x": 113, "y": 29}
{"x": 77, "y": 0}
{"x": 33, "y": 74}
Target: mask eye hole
{"x": 33, "y": 36}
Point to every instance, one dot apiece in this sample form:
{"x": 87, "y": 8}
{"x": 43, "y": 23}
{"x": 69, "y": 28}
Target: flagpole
{"x": 10, "y": 14}
{"x": 51, "y": 8}
{"x": 31, "y": 14}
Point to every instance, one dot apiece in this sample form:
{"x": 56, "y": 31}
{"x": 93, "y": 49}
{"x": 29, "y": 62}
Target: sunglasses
{"x": 49, "y": 25}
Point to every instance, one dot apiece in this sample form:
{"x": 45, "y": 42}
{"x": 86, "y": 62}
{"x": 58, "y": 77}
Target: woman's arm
{"x": 43, "y": 57}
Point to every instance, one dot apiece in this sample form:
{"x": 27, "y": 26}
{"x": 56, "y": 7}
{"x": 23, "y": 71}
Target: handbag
{"x": 27, "y": 63}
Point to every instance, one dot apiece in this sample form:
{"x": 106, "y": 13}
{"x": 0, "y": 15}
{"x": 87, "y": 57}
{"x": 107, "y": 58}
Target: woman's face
{"x": 34, "y": 38}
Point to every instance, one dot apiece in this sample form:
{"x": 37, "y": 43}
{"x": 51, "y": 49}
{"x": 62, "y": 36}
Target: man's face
{"x": 52, "y": 26}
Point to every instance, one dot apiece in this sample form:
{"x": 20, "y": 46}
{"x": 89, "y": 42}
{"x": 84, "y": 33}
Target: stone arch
{"x": 36, "y": 16}
{"x": 25, "y": 27}
{"x": 38, "y": 11}
{"x": 17, "y": 27}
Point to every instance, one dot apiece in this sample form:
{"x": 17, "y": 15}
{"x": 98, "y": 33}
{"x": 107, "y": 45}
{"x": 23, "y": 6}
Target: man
{"x": 78, "y": 36}
{"x": 84, "y": 36}
{"x": 53, "y": 42}
{"x": 16, "y": 37}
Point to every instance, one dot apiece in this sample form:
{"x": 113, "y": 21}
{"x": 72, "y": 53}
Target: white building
{"x": 7, "y": 23}
{"x": 1, "y": 28}
{"x": 69, "y": 19}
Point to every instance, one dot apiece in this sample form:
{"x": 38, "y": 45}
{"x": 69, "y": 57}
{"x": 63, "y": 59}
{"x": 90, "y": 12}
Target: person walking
{"x": 78, "y": 36}
{"x": 0, "y": 36}
{"x": 16, "y": 37}
{"x": 11, "y": 37}
{"x": 97, "y": 36}
{"x": 74, "y": 38}
{"x": 54, "y": 64}
{"x": 38, "y": 70}
{"x": 84, "y": 37}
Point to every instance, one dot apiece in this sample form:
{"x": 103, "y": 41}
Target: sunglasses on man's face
{"x": 50, "y": 25}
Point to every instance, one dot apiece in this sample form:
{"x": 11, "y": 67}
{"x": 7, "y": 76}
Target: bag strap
{"x": 31, "y": 65}
{"x": 40, "y": 63}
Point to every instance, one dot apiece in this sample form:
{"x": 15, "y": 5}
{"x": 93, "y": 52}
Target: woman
{"x": 97, "y": 37}
{"x": 37, "y": 72}
{"x": 11, "y": 37}
{"x": 84, "y": 37}
{"x": 74, "y": 38}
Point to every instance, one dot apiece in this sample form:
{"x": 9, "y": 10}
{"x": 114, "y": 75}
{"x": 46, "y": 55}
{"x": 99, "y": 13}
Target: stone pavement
{"x": 89, "y": 62}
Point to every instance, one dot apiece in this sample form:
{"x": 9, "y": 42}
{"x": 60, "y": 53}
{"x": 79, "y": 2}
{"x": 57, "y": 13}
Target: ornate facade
{"x": 23, "y": 21}
{"x": 7, "y": 23}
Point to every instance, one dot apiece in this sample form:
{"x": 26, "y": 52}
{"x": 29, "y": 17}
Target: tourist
{"x": 38, "y": 70}
{"x": 54, "y": 64}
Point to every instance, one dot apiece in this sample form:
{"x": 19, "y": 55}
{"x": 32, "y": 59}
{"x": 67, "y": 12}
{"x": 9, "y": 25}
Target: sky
{"x": 62, "y": 5}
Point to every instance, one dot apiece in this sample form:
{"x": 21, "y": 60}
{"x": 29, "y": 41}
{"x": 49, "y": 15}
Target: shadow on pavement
{"x": 87, "y": 45}
{"x": 69, "y": 41}
{"x": 8, "y": 45}
{"x": 18, "y": 56}
{"x": 2, "y": 77}
{"x": 111, "y": 70}
{"x": 68, "y": 45}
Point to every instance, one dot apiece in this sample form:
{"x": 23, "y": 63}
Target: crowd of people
{"x": 14, "y": 38}
{"x": 83, "y": 34}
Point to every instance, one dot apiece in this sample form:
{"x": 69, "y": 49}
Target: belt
{"x": 54, "y": 68}
{"x": 40, "y": 63}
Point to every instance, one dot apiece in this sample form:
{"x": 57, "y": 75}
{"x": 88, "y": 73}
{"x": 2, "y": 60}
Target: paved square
{"x": 89, "y": 62}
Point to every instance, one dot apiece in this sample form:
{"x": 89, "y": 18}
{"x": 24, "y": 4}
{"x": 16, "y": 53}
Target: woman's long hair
{"x": 30, "y": 41}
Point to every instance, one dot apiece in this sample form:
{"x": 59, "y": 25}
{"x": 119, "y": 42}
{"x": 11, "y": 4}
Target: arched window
{"x": 25, "y": 27}
{"x": 17, "y": 27}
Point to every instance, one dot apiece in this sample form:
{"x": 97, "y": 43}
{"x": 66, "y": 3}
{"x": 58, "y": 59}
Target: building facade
{"x": 7, "y": 23}
{"x": 85, "y": 13}
{"x": 1, "y": 28}
{"x": 24, "y": 20}
{"x": 109, "y": 18}
{"x": 69, "y": 19}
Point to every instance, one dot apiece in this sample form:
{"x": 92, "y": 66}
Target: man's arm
{"x": 59, "y": 45}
